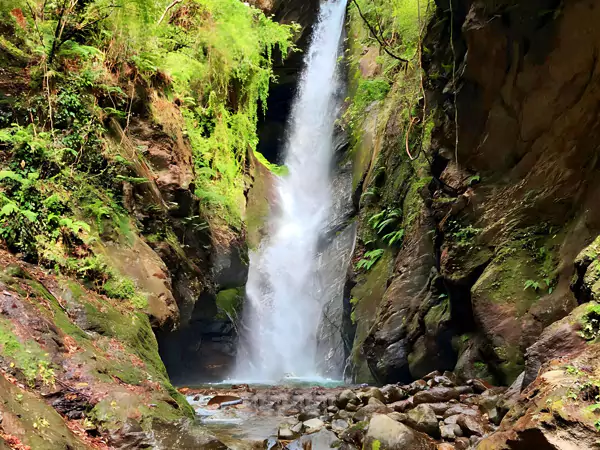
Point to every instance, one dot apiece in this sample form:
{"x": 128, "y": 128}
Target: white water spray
{"x": 284, "y": 293}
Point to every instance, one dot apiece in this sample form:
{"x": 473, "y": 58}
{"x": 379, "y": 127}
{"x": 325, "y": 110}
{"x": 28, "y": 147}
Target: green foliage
{"x": 367, "y": 92}
{"x": 531, "y": 284}
{"x": 463, "y": 236}
{"x": 388, "y": 219}
{"x": 369, "y": 259}
{"x": 590, "y": 323}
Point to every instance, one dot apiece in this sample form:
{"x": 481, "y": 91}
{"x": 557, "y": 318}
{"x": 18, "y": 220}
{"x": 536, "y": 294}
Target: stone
{"x": 343, "y": 414}
{"x": 432, "y": 375}
{"x": 470, "y": 425}
{"x": 460, "y": 409}
{"x": 365, "y": 412}
{"x": 479, "y": 386}
{"x": 339, "y": 425}
{"x": 398, "y": 417}
{"x": 393, "y": 393}
{"x": 345, "y": 397}
{"x": 332, "y": 409}
{"x": 461, "y": 443}
{"x": 322, "y": 439}
{"x": 373, "y": 392}
{"x": 445, "y": 446}
{"x": 313, "y": 425}
{"x": 442, "y": 381}
{"x": 308, "y": 414}
{"x": 297, "y": 429}
{"x": 439, "y": 408}
{"x": 416, "y": 386}
{"x": 393, "y": 435}
{"x": 450, "y": 432}
{"x": 351, "y": 407}
{"x": 286, "y": 434}
{"x": 402, "y": 405}
{"x": 355, "y": 434}
{"x": 436, "y": 395}
{"x": 375, "y": 402}
{"x": 423, "y": 418}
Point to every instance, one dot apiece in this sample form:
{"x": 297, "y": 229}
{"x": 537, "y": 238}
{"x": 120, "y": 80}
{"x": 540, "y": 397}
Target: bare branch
{"x": 175, "y": 2}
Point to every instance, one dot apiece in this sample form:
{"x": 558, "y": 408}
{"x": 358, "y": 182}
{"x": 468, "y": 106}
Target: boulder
{"x": 322, "y": 439}
{"x": 450, "y": 432}
{"x": 398, "y": 417}
{"x": 373, "y": 392}
{"x": 313, "y": 425}
{"x": 416, "y": 386}
{"x": 393, "y": 393}
{"x": 461, "y": 409}
{"x": 471, "y": 425}
{"x": 423, "y": 418}
{"x": 437, "y": 395}
{"x": 365, "y": 412}
{"x": 286, "y": 434}
{"x": 338, "y": 426}
{"x": 402, "y": 405}
{"x": 393, "y": 435}
{"x": 345, "y": 397}
{"x": 308, "y": 414}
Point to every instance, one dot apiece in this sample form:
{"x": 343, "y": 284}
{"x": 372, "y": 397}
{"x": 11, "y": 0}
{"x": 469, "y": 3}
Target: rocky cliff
{"x": 498, "y": 228}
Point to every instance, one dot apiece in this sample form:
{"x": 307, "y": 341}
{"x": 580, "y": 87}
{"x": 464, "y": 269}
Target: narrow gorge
{"x": 308, "y": 224}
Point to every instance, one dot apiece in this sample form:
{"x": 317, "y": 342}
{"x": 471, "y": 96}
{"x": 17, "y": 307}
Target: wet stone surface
{"x": 438, "y": 412}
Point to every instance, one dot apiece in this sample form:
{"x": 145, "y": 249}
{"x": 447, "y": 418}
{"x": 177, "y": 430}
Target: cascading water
{"x": 284, "y": 292}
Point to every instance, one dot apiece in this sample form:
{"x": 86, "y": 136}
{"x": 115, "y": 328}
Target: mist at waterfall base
{"x": 278, "y": 332}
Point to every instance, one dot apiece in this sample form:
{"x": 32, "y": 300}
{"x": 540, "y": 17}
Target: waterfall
{"x": 284, "y": 292}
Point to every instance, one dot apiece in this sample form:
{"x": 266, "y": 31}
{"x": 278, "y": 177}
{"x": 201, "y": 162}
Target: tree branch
{"x": 175, "y": 2}
{"x": 376, "y": 36}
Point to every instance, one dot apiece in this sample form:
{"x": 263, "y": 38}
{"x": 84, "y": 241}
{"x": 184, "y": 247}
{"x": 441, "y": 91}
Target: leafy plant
{"x": 531, "y": 284}
{"x": 370, "y": 259}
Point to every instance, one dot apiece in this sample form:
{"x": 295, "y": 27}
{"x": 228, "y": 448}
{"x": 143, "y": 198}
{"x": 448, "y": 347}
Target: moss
{"x": 230, "y": 302}
{"x": 367, "y": 295}
{"x": 437, "y": 315}
{"x": 27, "y": 356}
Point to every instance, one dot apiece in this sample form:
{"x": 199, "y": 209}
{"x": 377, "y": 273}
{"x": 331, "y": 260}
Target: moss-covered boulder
{"x": 95, "y": 360}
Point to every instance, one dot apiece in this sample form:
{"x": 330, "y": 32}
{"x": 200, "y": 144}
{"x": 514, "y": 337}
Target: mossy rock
{"x": 33, "y": 422}
{"x": 230, "y": 302}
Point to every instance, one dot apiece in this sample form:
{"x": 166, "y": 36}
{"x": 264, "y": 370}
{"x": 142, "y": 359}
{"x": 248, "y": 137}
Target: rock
{"x": 351, "y": 407}
{"x": 474, "y": 440}
{"x": 461, "y": 409}
{"x": 416, "y": 386}
{"x": 471, "y": 425}
{"x": 432, "y": 375}
{"x": 393, "y": 393}
{"x": 322, "y": 439}
{"x": 286, "y": 434}
{"x": 461, "y": 443}
{"x": 308, "y": 414}
{"x": 365, "y": 412}
{"x": 369, "y": 394}
{"x": 423, "y": 418}
{"x": 398, "y": 417}
{"x": 445, "y": 446}
{"x": 512, "y": 394}
{"x": 450, "y": 432}
{"x": 338, "y": 426}
{"x": 402, "y": 405}
{"x": 479, "y": 386}
{"x": 343, "y": 414}
{"x": 488, "y": 405}
{"x": 439, "y": 408}
{"x": 345, "y": 397}
{"x": 442, "y": 381}
{"x": 437, "y": 395}
{"x": 332, "y": 409}
{"x": 451, "y": 420}
{"x": 297, "y": 429}
{"x": 313, "y": 425}
{"x": 393, "y": 435}
{"x": 355, "y": 434}
{"x": 375, "y": 402}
